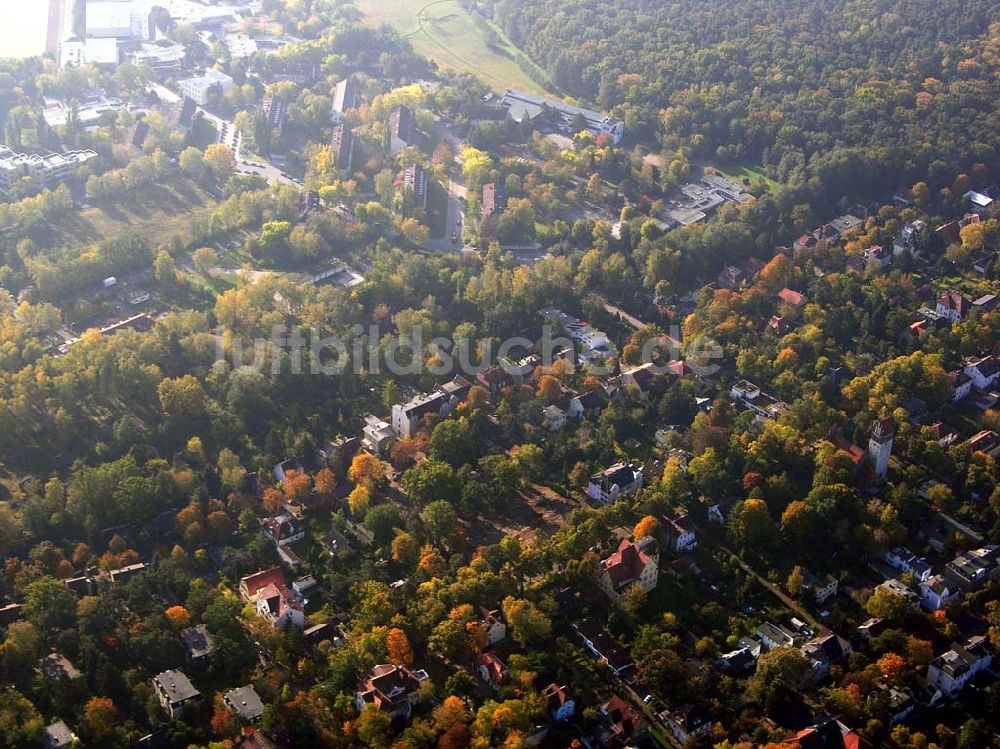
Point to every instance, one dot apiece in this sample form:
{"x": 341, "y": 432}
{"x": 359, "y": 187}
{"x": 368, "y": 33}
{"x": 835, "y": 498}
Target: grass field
{"x": 159, "y": 211}
{"x": 753, "y": 173}
{"x": 444, "y": 32}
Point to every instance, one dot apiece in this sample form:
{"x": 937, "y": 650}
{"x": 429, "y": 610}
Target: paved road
{"x": 456, "y": 196}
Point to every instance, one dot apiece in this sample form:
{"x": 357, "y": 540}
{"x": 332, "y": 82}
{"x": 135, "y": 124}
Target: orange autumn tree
{"x": 451, "y": 712}
{"x": 548, "y": 388}
{"x": 648, "y": 526}
{"x": 178, "y": 617}
{"x": 99, "y": 718}
{"x": 891, "y": 667}
{"x": 298, "y": 485}
{"x": 223, "y": 722}
{"x": 274, "y": 499}
{"x": 398, "y": 649}
{"x": 325, "y": 482}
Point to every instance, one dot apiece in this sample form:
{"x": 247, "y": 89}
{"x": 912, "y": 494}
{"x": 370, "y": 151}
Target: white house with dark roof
{"x": 935, "y": 592}
{"x": 175, "y": 692}
{"x": 679, "y": 533}
{"x": 245, "y": 703}
{"x": 774, "y": 636}
{"x": 621, "y": 479}
{"x": 983, "y": 371}
{"x": 951, "y": 671}
{"x": 904, "y": 560}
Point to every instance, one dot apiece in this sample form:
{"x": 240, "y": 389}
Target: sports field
{"x": 446, "y": 33}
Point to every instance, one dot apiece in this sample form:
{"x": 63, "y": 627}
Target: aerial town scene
{"x": 460, "y": 374}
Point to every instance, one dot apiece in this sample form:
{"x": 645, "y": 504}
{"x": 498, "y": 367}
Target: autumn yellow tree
{"x": 405, "y": 550}
{"x": 359, "y": 500}
{"x": 548, "y": 388}
{"x": 365, "y": 467}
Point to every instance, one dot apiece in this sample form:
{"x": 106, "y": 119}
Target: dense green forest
{"x": 911, "y": 83}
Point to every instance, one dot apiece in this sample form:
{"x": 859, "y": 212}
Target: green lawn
{"x": 748, "y": 171}
{"x": 158, "y": 211}
{"x": 446, "y": 33}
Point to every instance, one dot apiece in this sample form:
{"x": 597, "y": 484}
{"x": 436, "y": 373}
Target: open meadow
{"x": 448, "y": 34}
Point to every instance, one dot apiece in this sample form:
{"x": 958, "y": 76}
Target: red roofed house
{"x": 283, "y": 529}
{"x": 805, "y": 242}
{"x": 280, "y": 606}
{"x": 793, "y": 298}
{"x": 560, "y": 702}
{"x": 623, "y": 722}
{"x": 252, "y": 584}
{"x": 492, "y": 670}
{"x": 952, "y": 305}
{"x": 779, "y": 325}
{"x": 633, "y": 564}
{"x": 392, "y": 689}
{"x": 829, "y": 735}
{"x": 986, "y": 441}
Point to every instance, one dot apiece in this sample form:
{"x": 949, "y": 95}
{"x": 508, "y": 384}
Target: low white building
{"x": 201, "y": 88}
{"x": 49, "y": 171}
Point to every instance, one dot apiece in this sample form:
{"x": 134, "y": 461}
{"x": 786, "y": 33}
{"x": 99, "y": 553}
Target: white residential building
{"x": 950, "y": 672}
{"x": 905, "y": 560}
{"x": 378, "y": 434}
{"x": 983, "y": 372}
{"x": 201, "y": 88}
{"x": 616, "y": 481}
{"x": 935, "y": 593}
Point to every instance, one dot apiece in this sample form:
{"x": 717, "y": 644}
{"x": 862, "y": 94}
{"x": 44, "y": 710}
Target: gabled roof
{"x": 794, "y": 298}
{"x": 952, "y": 300}
{"x": 258, "y": 580}
{"x": 495, "y": 668}
{"x": 282, "y": 526}
{"x": 624, "y": 719}
{"x": 556, "y": 695}
{"x": 626, "y": 565}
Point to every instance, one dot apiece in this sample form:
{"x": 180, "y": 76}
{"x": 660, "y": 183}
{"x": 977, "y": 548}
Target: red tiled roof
{"x": 258, "y": 580}
{"x": 793, "y": 298}
{"x": 626, "y": 564}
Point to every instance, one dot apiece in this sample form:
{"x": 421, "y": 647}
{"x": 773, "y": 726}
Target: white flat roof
{"x": 108, "y": 14}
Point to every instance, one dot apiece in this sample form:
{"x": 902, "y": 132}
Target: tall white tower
{"x": 880, "y": 446}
